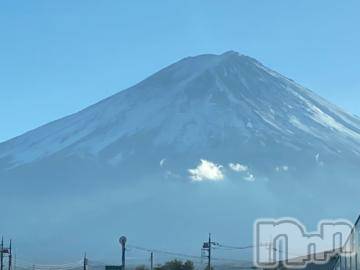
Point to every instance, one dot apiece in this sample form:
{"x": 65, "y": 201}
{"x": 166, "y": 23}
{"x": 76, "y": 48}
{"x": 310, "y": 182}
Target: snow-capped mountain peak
{"x": 197, "y": 104}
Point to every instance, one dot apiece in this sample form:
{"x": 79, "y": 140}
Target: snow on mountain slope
{"x": 192, "y": 105}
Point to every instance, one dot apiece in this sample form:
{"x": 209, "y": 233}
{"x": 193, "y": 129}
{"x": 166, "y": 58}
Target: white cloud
{"x": 237, "y": 167}
{"x": 243, "y": 170}
{"x": 282, "y": 168}
{"x": 249, "y": 177}
{"x": 162, "y": 162}
{"x": 207, "y": 171}
{"x": 318, "y": 161}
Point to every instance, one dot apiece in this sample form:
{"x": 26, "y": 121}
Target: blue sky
{"x": 57, "y": 57}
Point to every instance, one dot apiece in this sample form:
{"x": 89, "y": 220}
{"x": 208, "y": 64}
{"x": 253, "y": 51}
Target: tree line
{"x": 171, "y": 265}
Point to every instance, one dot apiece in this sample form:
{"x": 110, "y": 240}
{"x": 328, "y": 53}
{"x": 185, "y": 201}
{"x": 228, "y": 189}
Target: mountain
{"x": 154, "y": 151}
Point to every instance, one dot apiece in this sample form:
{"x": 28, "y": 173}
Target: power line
{"x": 229, "y": 247}
{"x": 164, "y": 252}
{"x": 180, "y": 254}
{"x": 66, "y": 266}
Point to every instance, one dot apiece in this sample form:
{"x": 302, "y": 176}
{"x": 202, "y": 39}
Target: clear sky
{"x": 58, "y": 56}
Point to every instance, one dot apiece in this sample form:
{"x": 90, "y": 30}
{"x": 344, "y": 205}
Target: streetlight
{"x": 122, "y": 241}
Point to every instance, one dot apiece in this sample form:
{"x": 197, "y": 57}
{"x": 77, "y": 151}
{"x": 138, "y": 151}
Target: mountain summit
{"x": 146, "y": 155}
{"x": 227, "y": 104}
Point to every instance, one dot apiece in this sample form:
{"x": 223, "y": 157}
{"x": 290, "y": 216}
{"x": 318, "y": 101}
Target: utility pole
{"x": 2, "y": 254}
{"x": 10, "y": 256}
{"x": 152, "y": 260}
{"x": 85, "y": 262}
{"x": 209, "y": 257}
{"x": 207, "y": 248}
